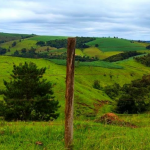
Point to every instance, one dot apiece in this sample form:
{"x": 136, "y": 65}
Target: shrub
{"x": 96, "y": 84}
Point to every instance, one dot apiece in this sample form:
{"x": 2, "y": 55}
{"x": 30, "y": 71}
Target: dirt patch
{"x": 111, "y": 118}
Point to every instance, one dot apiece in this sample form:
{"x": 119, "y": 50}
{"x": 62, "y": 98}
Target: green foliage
{"x": 40, "y": 43}
{"x": 145, "y": 60}
{"x": 27, "y": 96}
{"x": 96, "y": 84}
{"x": 57, "y": 43}
{"x": 2, "y": 51}
{"x": 148, "y": 47}
{"x": 23, "y": 50}
{"x": 113, "y": 90}
{"x": 131, "y": 98}
{"x": 62, "y": 43}
{"x": 122, "y": 56}
{"x": 81, "y": 41}
{"x": 14, "y": 44}
{"x": 96, "y": 45}
{"x": 16, "y": 53}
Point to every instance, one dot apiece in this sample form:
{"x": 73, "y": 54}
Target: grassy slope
{"x": 95, "y": 52}
{"x": 25, "y": 43}
{"x": 84, "y": 78}
{"x": 111, "y": 44}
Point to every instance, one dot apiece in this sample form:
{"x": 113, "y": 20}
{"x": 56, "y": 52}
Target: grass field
{"x": 47, "y": 38}
{"x": 19, "y": 45}
{"x": 87, "y": 135}
{"x": 96, "y": 52}
{"x": 114, "y": 44}
{"x": 79, "y": 52}
{"x": 103, "y": 64}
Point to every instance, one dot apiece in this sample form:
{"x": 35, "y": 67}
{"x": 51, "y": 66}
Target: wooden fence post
{"x": 69, "y": 93}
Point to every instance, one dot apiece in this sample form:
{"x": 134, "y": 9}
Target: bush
{"x": 96, "y": 84}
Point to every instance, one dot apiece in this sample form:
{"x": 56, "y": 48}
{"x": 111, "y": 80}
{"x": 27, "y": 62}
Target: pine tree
{"x": 27, "y": 96}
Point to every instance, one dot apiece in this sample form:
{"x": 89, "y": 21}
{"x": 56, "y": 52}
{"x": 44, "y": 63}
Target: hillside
{"x": 85, "y": 95}
{"x": 115, "y": 44}
{"x": 5, "y": 37}
{"x": 100, "y": 48}
{"x": 89, "y": 66}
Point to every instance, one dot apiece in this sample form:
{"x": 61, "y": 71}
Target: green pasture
{"x": 79, "y": 52}
{"x": 87, "y": 135}
{"x": 24, "y": 43}
{"x": 47, "y": 38}
{"x": 96, "y": 52}
{"x": 103, "y": 64}
{"x": 115, "y": 44}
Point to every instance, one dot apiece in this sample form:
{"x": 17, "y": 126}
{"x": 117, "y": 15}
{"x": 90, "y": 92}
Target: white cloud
{"x": 126, "y": 18}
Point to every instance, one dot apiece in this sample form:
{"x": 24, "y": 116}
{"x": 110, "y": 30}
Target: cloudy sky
{"x": 100, "y": 18}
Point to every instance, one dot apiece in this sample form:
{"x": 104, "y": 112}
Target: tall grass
{"x": 87, "y": 135}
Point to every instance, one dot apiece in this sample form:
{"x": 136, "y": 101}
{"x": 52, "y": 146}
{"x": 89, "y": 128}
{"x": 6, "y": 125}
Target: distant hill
{"x": 116, "y": 44}
{"x": 100, "y": 48}
{"x": 5, "y": 37}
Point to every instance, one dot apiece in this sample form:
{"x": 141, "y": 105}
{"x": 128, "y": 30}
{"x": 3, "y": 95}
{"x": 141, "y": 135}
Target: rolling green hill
{"x": 115, "y": 44}
{"x": 106, "y": 46}
{"x": 5, "y": 37}
{"x": 85, "y": 95}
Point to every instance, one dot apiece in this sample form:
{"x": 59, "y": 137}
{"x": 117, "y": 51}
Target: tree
{"x": 2, "y": 51}
{"x": 96, "y": 45}
{"x": 148, "y": 47}
{"x": 14, "y": 44}
{"x": 40, "y": 43}
{"x": 96, "y": 84}
{"x": 27, "y": 96}
{"x": 23, "y": 50}
{"x": 16, "y": 53}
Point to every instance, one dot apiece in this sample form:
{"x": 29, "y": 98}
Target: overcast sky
{"x": 99, "y": 18}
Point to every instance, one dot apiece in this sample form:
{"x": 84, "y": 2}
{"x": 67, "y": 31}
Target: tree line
{"x": 122, "y": 56}
{"x": 145, "y": 60}
{"x": 62, "y": 43}
{"x": 131, "y": 98}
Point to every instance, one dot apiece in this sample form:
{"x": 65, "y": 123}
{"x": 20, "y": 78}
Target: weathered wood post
{"x": 69, "y": 93}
